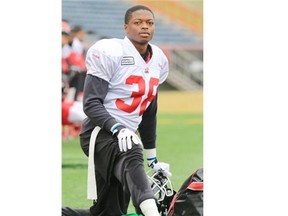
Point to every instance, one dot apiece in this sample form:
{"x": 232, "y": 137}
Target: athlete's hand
{"x": 126, "y": 138}
{"x": 161, "y": 167}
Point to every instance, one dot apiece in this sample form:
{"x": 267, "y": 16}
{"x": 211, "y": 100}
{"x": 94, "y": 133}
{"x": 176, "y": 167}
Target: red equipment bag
{"x": 188, "y": 201}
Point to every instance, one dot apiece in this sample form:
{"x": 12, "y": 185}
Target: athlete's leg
{"x": 129, "y": 169}
{"x": 122, "y": 174}
{"x": 112, "y": 200}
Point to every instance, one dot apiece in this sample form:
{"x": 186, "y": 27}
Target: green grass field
{"x": 179, "y": 143}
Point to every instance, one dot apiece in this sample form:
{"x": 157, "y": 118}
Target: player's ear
{"x": 126, "y": 28}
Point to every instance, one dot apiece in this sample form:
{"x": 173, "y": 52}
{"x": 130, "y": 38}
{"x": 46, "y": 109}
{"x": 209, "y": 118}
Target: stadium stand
{"x": 186, "y": 15}
{"x": 105, "y": 17}
{"x": 180, "y": 37}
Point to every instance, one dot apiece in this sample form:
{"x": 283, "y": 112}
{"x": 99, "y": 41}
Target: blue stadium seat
{"x": 106, "y": 18}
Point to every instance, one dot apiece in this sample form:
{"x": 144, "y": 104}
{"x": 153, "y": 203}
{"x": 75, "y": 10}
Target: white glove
{"x": 161, "y": 167}
{"x": 126, "y": 138}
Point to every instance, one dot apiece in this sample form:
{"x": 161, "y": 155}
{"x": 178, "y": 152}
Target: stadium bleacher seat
{"x": 106, "y": 19}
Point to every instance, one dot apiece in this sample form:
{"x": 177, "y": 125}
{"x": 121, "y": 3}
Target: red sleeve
{"x": 66, "y": 105}
{"x": 77, "y": 60}
{"x": 65, "y": 66}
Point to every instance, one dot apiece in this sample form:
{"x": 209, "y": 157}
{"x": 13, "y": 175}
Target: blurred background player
{"x": 66, "y": 50}
{"x": 72, "y": 114}
{"x": 73, "y": 60}
{"x": 77, "y": 59}
{"x": 72, "y": 110}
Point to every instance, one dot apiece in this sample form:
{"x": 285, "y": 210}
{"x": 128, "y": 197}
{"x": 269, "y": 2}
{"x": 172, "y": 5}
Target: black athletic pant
{"x": 66, "y": 211}
{"x": 119, "y": 175}
{"x": 77, "y": 81}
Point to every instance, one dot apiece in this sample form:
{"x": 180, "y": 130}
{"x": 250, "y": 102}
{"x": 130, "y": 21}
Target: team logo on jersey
{"x": 127, "y": 60}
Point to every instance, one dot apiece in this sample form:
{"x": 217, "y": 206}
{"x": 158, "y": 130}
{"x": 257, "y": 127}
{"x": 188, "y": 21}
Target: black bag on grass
{"x": 188, "y": 201}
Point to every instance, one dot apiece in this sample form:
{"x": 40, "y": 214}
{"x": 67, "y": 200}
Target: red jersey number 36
{"x": 137, "y": 95}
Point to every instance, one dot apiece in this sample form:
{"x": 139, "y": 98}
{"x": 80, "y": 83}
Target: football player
{"x": 72, "y": 113}
{"x": 120, "y": 101}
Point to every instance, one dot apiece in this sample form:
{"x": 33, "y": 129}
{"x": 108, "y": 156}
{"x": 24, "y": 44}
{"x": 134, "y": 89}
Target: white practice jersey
{"x": 132, "y": 82}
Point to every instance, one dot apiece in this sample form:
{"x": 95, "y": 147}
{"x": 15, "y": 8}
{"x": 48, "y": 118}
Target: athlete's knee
{"x": 137, "y": 148}
{"x": 129, "y": 160}
{"x": 134, "y": 154}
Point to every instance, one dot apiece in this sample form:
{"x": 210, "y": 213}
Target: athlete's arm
{"x": 147, "y": 127}
{"x": 95, "y": 90}
{"x": 147, "y": 130}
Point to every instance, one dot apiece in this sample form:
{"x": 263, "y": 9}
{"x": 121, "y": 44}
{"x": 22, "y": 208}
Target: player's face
{"x": 140, "y": 28}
